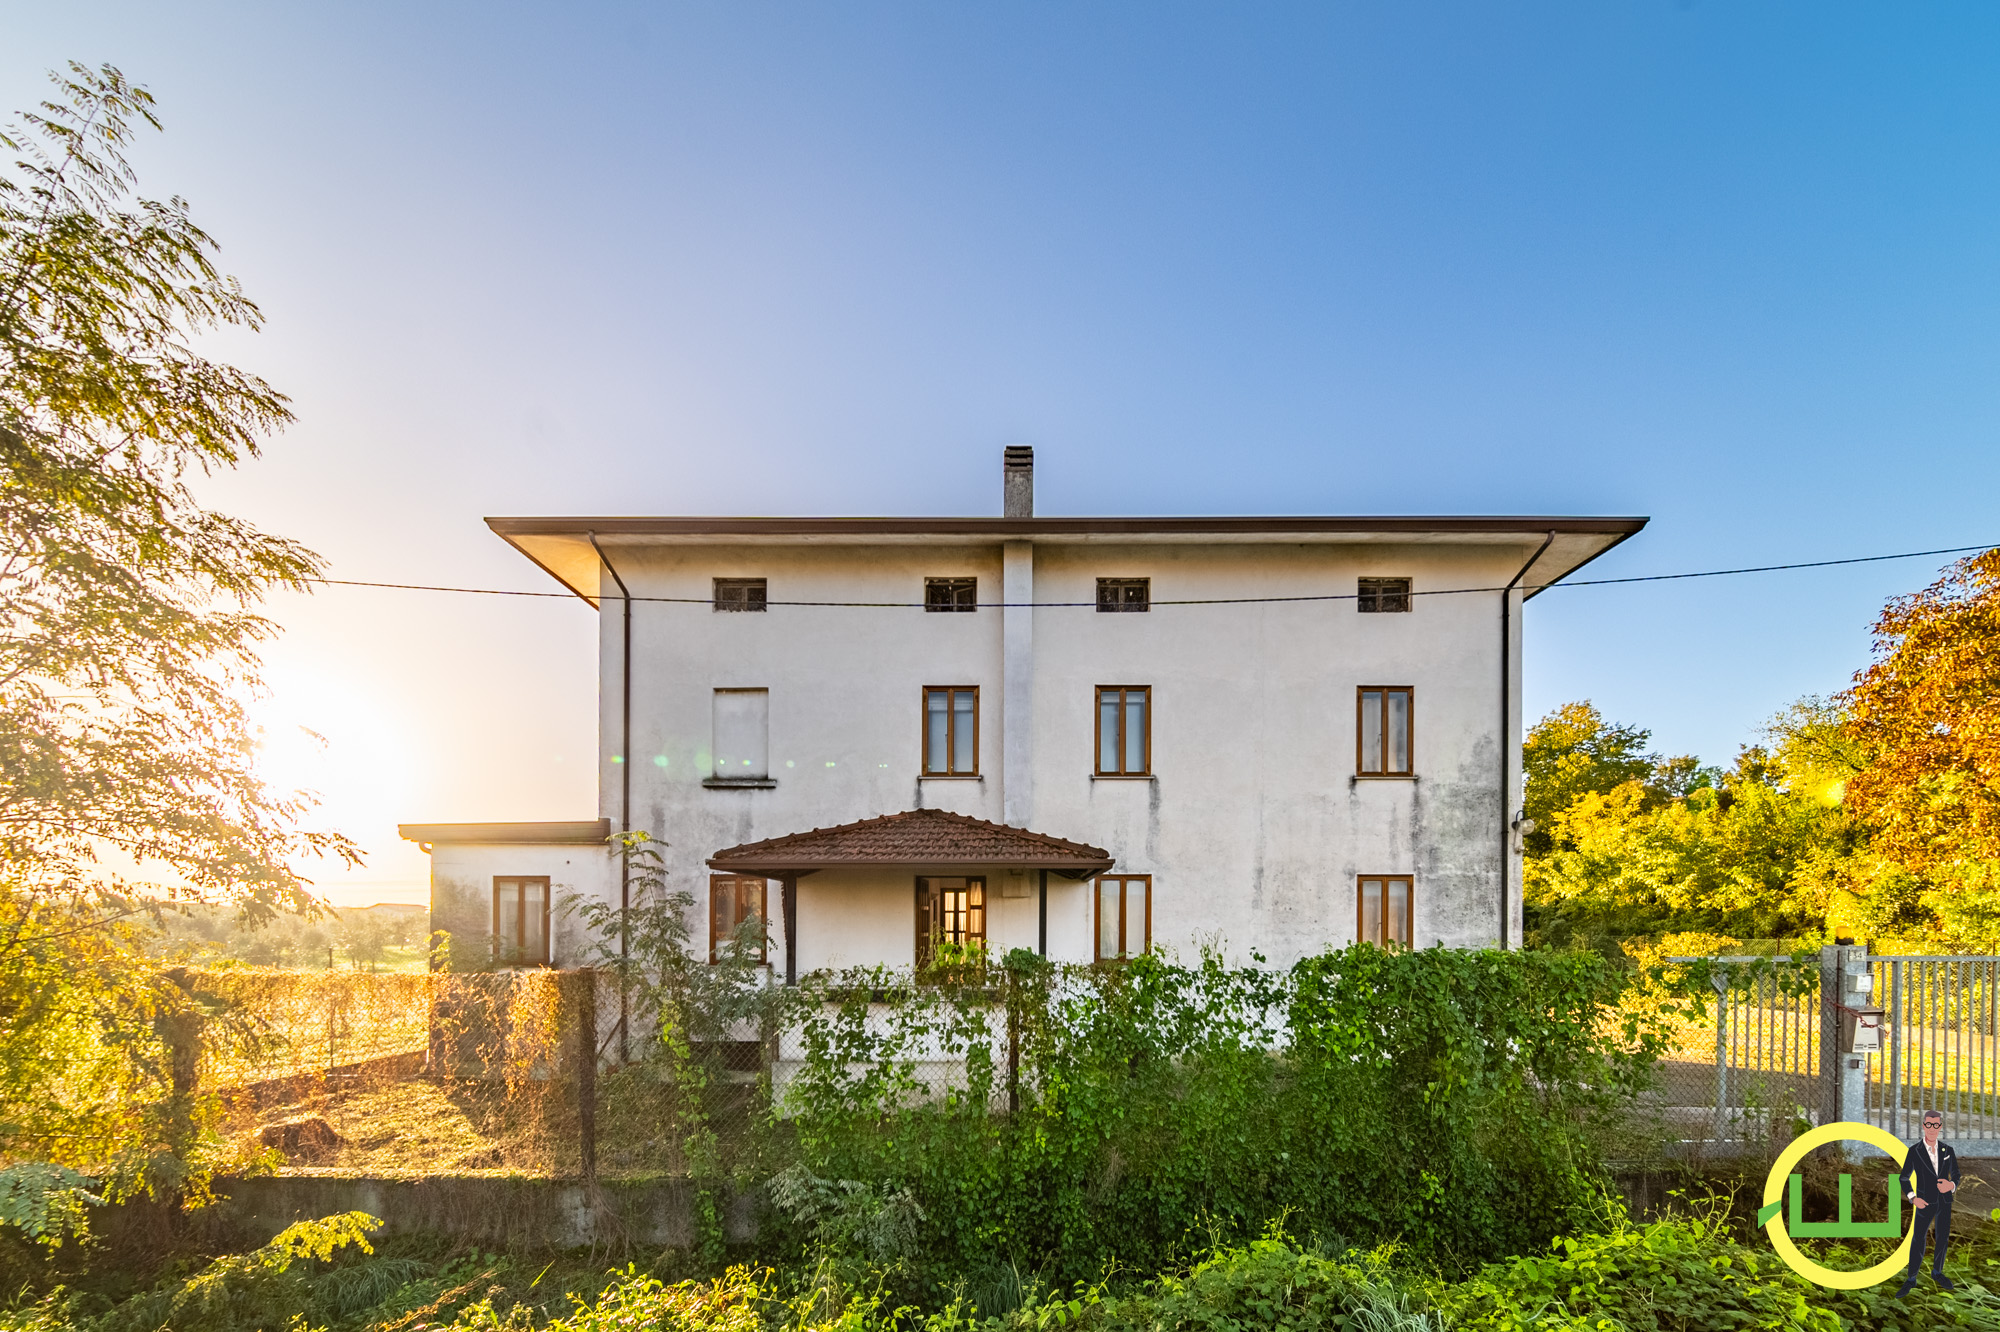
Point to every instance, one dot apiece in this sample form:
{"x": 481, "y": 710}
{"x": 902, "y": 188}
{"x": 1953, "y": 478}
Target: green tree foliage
{"x": 127, "y": 638}
{"x": 1573, "y": 752}
{"x": 1921, "y": 734}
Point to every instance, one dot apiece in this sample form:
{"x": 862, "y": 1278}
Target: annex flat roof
{"x": 579, "y": 832}
{"x": 562, "y": 547}
{"x": 917, "y": 837}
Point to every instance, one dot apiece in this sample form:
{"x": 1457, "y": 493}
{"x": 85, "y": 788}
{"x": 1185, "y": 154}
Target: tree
{"x": 127, "y": 631}
{"x": 1925, "y": 716}
{"x": 1574, "y": 752}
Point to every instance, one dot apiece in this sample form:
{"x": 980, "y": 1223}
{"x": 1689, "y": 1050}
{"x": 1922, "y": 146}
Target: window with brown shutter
{"x": 521, "y": 920}
{"x": 1124, "y": 730}
{"x": 1124, "y": 916}
{"x": 951, "y": 730}
{"x": 1385, "y": 730}
{"x": 1385, "y": 909}
{"x": 732, "y": 900}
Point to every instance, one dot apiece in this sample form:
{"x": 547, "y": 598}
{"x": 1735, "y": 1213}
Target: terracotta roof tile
{"x": 915, "y": 837}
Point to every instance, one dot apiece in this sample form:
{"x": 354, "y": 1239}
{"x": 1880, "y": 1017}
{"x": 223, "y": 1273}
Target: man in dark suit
{"x": 1930, "y": 1177}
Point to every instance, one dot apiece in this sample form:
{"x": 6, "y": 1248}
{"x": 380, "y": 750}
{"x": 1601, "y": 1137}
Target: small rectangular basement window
{"x": 951, "y": 594}
{"x": 1383, "y": 594}
{"x": 739, "y": 594}
{"x": 1124, "y": 594}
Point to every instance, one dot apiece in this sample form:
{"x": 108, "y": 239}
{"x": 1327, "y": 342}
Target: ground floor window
{"x": 949, "y": 911}
{"x": 1124, "y": 916}
{"x": 1385, "y": 906}
{"x": 733, "y": 899}
{"x": 521, "y": 921}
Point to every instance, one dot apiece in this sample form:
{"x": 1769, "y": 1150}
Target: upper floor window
{"x": 1384, "y": 725}
{"x": 951, "y": 594}
{"x": 1124, "y": 594}
{"x": 739, "y": 594}
{"x": 951, "y": 731}
{"x": 1124, "y": 730}
{"x": 521, "y": 920}
{"x": 1124, "y": 916}
{"x": 949, "y": 911}
{"x": 742, "y": 734}
{"x": 1383, "y": 594}
{"x": 1383, "y": 904}
{"x": 735, "y": 900}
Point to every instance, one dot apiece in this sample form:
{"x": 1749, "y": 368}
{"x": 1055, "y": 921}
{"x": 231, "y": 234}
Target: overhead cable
{"x": 1186, "y": 601}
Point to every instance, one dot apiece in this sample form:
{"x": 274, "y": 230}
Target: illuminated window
{"x": 949, "y": 911}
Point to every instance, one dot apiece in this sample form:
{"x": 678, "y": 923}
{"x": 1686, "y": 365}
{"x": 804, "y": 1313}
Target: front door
{"x": 951, "y": 911}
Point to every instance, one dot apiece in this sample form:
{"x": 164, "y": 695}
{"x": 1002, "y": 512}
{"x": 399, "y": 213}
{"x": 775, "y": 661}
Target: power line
{"x": 1186, "y": 601}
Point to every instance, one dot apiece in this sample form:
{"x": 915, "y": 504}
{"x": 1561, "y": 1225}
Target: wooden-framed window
{"x": 1124, "y": 730}
{"x": 951, "y": 594}
{"x": 732, "y": 900}
{"x": 1384, "y": 730}
{"x": 1124, "y": 916}
{"x": 739, "y": 594}
{"x": 949, "y": 911}
{"x": 1382, "y": 594}
{"x": 1124, "y": 594}
{"x": 1385, "y": 909}
{"x": 951, "y": 730}
{"x": 521, "y": 920}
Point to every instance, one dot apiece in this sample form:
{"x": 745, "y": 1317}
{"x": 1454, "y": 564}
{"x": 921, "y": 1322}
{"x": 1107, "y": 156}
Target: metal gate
{"x": 1768, "y": 1060}
{"x": 1940, "y": 1038}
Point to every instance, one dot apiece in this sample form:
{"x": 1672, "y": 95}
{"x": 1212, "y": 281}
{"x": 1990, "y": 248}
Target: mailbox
{"x": 1861, "y": 1031}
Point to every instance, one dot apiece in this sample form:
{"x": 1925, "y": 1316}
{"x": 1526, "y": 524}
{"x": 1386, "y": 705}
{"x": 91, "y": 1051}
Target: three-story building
{"x": 1084, "y": 736}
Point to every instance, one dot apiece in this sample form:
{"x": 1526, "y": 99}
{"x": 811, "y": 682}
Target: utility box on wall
{"x": 1861, "y": 1030}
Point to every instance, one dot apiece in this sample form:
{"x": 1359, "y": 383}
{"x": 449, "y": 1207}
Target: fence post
{"x": 1719, "y": 982}
{"x": 1013, "y": 1046}
{"x": 586, "y": 1073}
{"x": 1830, "y": 1098}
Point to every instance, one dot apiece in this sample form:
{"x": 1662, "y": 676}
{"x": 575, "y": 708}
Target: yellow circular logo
{"x": 1774, "y": 1195}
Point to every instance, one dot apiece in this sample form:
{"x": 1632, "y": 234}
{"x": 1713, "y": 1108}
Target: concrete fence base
{"x": 489, "y": 1210}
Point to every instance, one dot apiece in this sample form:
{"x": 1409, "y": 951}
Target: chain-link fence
{"x": 1742, "y": 1068}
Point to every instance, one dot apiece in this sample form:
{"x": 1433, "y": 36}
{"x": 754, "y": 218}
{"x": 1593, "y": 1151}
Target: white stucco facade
{"x": 1253, "y": 821}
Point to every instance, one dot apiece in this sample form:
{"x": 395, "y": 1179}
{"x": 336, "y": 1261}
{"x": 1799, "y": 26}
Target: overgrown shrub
{"x": 1439, "y": 1098}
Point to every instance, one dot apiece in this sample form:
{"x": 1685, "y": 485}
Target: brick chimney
{"x": 1018, "y": 482}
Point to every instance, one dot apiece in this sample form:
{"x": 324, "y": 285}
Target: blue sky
{"x": 1733, "y": 267}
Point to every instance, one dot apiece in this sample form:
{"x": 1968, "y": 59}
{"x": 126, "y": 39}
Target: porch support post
{"x": 1042, "y": 933}
{"x": 789, "y": 893}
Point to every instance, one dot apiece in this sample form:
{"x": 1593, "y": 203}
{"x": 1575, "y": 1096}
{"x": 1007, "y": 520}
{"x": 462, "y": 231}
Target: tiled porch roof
{"x": 916, "y": 837}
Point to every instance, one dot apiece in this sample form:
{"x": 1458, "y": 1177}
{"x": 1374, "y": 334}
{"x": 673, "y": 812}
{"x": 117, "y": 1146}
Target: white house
{"x": 1083, "y": 736}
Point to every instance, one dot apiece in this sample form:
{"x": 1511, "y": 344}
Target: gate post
{"x": 1844, "y": 1077}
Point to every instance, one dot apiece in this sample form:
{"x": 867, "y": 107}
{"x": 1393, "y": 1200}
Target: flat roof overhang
{"x": 580, "y": 832}
{"x": 562, "y": 547}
